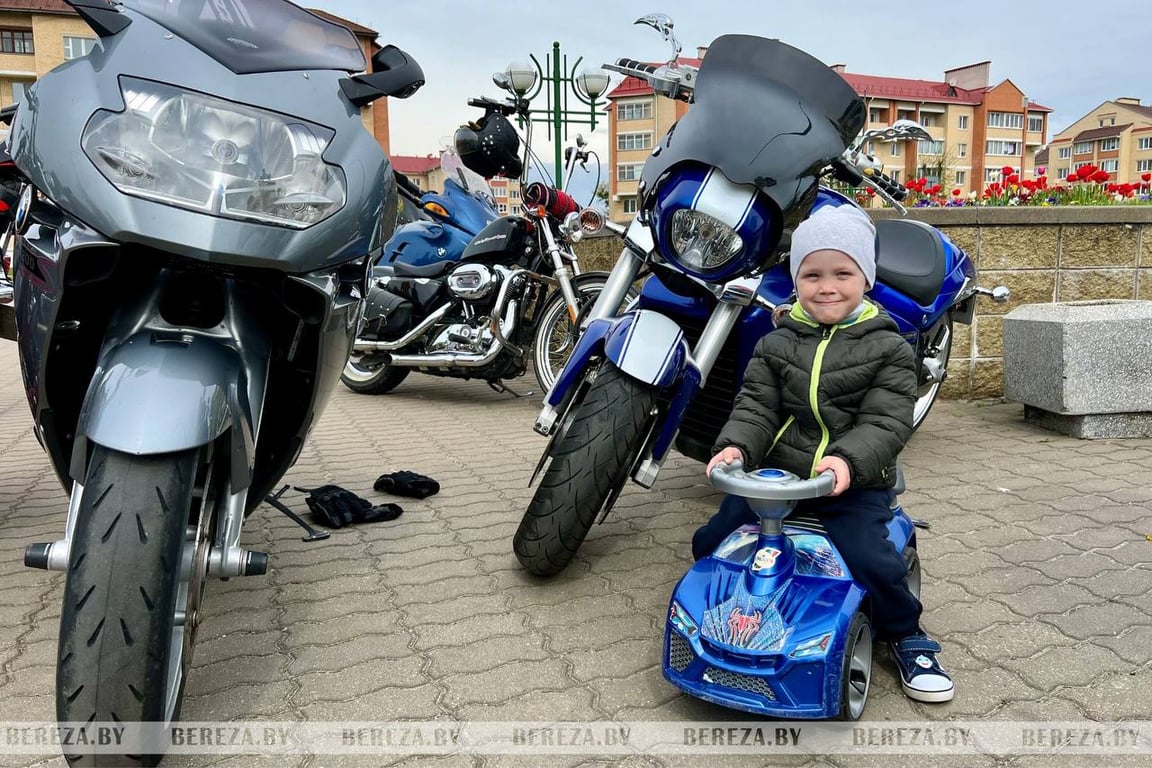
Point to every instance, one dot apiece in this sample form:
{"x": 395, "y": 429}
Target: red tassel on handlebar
{"x": 557, "y": 203}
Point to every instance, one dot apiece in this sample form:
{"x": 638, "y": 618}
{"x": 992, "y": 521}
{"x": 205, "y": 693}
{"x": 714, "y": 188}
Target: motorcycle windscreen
{"x": 251, "y": 36}
{"x": 766, "y": 114}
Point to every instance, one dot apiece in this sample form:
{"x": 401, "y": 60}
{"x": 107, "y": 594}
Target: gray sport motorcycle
{"x": 201, "y": 205}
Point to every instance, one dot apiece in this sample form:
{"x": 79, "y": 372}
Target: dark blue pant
{"x": 857, "y": 523}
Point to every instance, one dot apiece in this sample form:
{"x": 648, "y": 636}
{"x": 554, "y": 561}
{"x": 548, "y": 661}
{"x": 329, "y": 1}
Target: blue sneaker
{"x": 921, "y": 675}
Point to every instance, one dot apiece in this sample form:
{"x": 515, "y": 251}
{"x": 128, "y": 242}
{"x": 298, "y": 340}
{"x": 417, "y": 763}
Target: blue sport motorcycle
{"x": 719, "y": 197}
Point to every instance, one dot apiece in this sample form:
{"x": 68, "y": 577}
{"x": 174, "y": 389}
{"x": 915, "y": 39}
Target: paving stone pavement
{"x": 1038, "y": 582}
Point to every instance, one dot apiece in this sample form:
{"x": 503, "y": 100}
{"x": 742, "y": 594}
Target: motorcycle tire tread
{"x": 120, "y": 592}
{"x": 593, "y": 458}
{"x": 386, "y": 379}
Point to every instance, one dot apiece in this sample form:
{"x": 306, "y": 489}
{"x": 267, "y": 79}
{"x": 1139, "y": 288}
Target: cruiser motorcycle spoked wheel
{"x": 134, "y": 590}
{"x": 556, "y": 334}
{"x": 589, "y": 464}
{"x": 926, "y": 399}
{"x": 366, "y": 375}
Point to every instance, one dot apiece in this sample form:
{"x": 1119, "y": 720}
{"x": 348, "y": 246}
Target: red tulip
{"x": 956, "y": 192}
{"x": 1112, "y": 187}
{"x": 1013, "y": 179}
{"x": 1100, "y": 177}
{"x": 1072, "y": 178}
{"x": 1007, "y": 170}
{"x": 1146, "y": 176}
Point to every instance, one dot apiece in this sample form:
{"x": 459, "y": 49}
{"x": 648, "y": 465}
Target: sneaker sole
{"x": 929, "y": 697}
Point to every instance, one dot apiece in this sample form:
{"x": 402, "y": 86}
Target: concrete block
{"x": 1080, "y": 358}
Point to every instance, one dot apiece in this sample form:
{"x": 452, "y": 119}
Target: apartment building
{"x": 1116, "y": 137}
{"x": 38, "y": 35}
{"x": 976, "y": 128}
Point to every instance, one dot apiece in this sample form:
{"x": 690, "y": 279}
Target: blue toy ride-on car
{"x": 772, "y": 622}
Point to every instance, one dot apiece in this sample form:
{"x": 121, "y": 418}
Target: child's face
{"x": 829, "y": 285}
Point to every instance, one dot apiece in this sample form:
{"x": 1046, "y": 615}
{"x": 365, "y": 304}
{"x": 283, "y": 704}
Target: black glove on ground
{"x": 336, "y": 507}
{"x": 405, "y": 483}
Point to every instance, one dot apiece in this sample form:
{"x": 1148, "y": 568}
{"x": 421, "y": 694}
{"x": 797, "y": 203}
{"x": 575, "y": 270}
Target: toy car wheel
{"x": 856, "y": 675}
{"x": 912, "y": 563}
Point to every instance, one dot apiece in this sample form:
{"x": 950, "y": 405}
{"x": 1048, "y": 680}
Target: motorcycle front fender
{"x": 156, "y": 394}
{"x": 644, "y": 344}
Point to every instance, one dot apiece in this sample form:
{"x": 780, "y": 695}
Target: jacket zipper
{"x": 780, "y": 434}
{"x": 817, "y": 362}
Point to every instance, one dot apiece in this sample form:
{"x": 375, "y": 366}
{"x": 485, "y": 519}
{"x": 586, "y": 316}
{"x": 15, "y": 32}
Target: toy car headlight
{"x": 817, "y": 646}
{"x": 702, "y": 242}
{"x": 681, "y": 620}
{"x": 223, "y": 159}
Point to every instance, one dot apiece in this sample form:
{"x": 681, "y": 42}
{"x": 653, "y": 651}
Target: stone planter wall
{"x": 1042, "y": 254}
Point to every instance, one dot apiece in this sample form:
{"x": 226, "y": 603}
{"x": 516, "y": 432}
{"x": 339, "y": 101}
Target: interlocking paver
{"x": 1037, "y": 580}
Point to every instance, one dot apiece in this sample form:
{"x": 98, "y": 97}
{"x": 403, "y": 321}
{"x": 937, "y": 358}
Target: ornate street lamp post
{"x": 556, "y": 79}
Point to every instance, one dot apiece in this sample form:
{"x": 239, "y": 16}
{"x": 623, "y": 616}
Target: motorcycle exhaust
{"x": 408, "y": 338}
{"x": 452, "y": 360}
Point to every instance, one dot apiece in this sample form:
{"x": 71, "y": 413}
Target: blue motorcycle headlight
{"x": 711, "y": 228}
{"x": 703, "y": 242}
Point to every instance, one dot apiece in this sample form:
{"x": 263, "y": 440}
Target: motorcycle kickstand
{"x": 501, "y": 387}
{"x": 313, "y": 533}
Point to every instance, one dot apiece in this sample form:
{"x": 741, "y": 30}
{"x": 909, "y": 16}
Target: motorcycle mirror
{"x": 502, "y": 81}
{"x": 662, "y": 23}
{"x": 394, "y": 73}
{"x": 910, "y": 129}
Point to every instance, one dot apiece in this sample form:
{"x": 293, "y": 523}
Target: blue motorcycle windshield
{"x": 252, "y": 36}
{"x": 765, "y": 114}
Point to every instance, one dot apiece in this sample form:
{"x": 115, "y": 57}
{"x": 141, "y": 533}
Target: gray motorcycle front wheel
{"x": 129, "y": 618}
{"x": 590, "y": 461}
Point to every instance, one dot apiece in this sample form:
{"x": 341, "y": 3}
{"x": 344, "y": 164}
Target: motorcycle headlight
{"x": 702, "y": 242}
{"x": 202, "y": 153}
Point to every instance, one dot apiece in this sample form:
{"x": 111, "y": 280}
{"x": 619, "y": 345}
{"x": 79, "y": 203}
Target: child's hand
{"x": 728, "y": 455}
{"x": 840, "y": 468}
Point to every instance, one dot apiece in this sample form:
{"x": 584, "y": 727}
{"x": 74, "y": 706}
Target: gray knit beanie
{"x": 842, "y": 228}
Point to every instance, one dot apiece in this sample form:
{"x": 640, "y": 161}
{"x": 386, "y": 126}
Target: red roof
{"x": 414, "y": 165}
{"x": 356, "y": 29}
{"x": 911, "y": 90}
{"x": 37, "y": 6}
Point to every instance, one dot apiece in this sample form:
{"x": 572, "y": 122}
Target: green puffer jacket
{"x": 814, "y": 390}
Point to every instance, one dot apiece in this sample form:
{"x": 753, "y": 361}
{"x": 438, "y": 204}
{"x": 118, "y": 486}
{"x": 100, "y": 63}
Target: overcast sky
{"x": 1065, "y": 55}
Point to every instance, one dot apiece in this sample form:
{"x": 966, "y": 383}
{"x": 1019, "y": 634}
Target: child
{"x": 833, "y": 388}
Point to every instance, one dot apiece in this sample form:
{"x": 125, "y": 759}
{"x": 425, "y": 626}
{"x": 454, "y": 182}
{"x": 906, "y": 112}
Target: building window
{"x": 1143, "y": 166}
{"x": 929, "y": 120}
{"x": 895, "y": 175}
{"x": 514, "y": 194}
{"x": 905, "y": 114}
{"x": 625, "y": 142}
{"x": 1061, "y": 172}
{"x": 895, "y": 148}
{"x": 1078, "y": 166}
{"x": 961, "y": 177}
{"x": 1110, "y": 145}
{"x": 1005, "y": 120}
{"x": 930, "y": 147}
{"x": 75, "y": 47}
{"x": 502, "y": 207}
{"x": 962, "y": 122}
{"x": 1083, "y": 148}
{"x": 634, "y": 110}
{"x": 628, "y": 171}
{"x": 1035, "y": 123}
{"x": 961, "y": 150}
{"x": 1002, "y": 148}
{"x": 991, "y": 174}
{"x": 498, "y": 192}
{"x": 1111, "y": 166}
{"x": 16, "y": 41}
{"x": 874, "y": 115}
{"x": 924, "y": 172}
{"x": 19, "y": 90}
{"x": 1145, "y": 143}
{"x": 629, "y": 204}
{"x": 1064, "y": 153}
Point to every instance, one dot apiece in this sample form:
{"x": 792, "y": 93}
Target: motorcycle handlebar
{"x": 638, "y": 66}
{"x": 557, "y": 203}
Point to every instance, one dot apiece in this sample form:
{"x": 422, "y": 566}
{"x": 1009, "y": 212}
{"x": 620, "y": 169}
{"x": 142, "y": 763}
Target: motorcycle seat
{"x": 435, "y": 269}
{"x": 910, "y": 258}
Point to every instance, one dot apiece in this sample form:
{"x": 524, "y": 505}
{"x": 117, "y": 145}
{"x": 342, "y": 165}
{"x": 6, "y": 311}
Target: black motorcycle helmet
{"x": 490, "y": 147}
